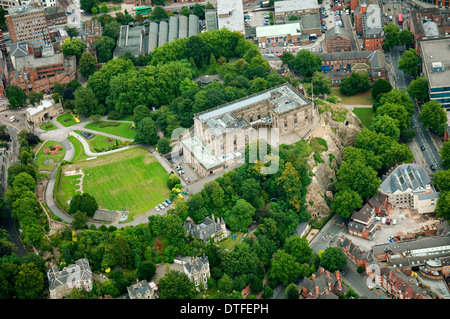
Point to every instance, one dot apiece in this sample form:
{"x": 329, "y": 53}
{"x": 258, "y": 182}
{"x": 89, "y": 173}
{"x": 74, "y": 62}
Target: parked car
{"x": 161, "y": 206}
{"x": 383, "y": 221}
{"x": 388, "y": 221}
{"x": 157, "y": 208}
{"x": 422, "y": 148}
{"x": 293, "y": 50}
{"x": 168, "y": 201}
{"x": 432, "y": 167}
{"x": 394, "y": 222}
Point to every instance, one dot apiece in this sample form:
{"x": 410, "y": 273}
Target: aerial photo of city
{"x": 234, "y": 157}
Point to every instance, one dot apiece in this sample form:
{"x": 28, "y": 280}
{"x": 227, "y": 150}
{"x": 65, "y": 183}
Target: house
{"x": 359, "y": 257}
{"x": 409, "y": 186}
{"x": 142, "y": 290}
{"x": 61, "y": 283}
{"x": 208, "y": 229}
{"x": 399, "y": 286}
{"x": 322, "y": 285}
{"x": 338, "y": 39}
{"x": 197, "y": 269}
{"x": 338, "y": 65}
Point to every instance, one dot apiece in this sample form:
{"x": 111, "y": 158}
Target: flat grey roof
{"x": 436, "y": 51}
{"x": 201, "y": 152}
{"x": 283, "y": 103}
{"x": 372, "y": 20}
{"x": 293, "y": 5}
{"x": 230, "y": 15}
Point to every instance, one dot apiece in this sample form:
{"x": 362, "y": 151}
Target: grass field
{"x": 364, "y": 98}
{"x": 79, "y": 150}
{"x": 98, "y": 142}
{"x": 41, "y": 157}
{"x": 66, "y": 119}
{"x": 122, "y": 130}
{"x": 364, "y": 114}
{"x": 130, "y": 179}
{"x": 48, "y": 126}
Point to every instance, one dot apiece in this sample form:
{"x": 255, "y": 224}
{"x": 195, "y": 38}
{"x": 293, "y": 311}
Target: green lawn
{"x": 66, "y": 119}
{"x": 48, "y": 126}
{"x": 110, "y": 181}
{"x": 364, "y": 98}
{"x": 364, "y": 114}
{"x": 99, "y": 142}
{"x": 79, "y": 155}
{"x": 41, "y": 157}
{"x": 122, "y": 130}
{"x": 228, "y": 243}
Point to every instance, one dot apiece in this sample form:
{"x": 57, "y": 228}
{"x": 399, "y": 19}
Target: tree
{"x": 103, "y": 8}
{"x": 306, "y": 62}
{"x": 406, "y": 38}
{"x": 432, "y": 115}
{"x": 79, "y": 220}
{"x": 112, "y": 29}
{"x": 73, "y": 47}
{"x": 442, "y": 180}
{"x": 185, "y": 11}
{"x": 198, "y": 50}
{"x": 71, "y": 31}
{"x": 145, "y": 270}
{"x": 85, "y": 101}
{"x": 292, "y": 291}
{"x": 29, "y": 282}
{"x": 164, "y": 145}
{"x": 159, "y": 13}
{"x": 443, "y": 205}
{"x": 87, "y": 5}
{"x": 299, "y": 248}
{"x": 293, "y": 17}
{"x": 173, "y": 180}
{"x": 418, "y": 89}
{"x": 85, "y": 203}
{"x": 87, "y": 65}
{"x": 346, "y": 202}
{"x": 409, "y": 62}
{"x": 321, "y": 84}
{"x": 16, "y": 96}
{"x": 104, "y": 46}
{"x": 140, "y": 112}
{"x": 146, "y": 132}
{"x": 392, "y": 36}
{"x": 176, "y": 285}
{"x": 6, "y": 246}
{"x": 284, "y": 268}
{"x": 358, "y": 177}
{"x": 94, "y": 10}
{"x": 240, "y": 216}
{"x": 333, "y": 258}
{"x": 386, "y": 125}
{"x": 356, "y": 82}
{"x": 198, "y": 11}
{"x": 380, "y": 86}
{"x": 225, "y": 284}
{"x": 396, "y": 112}
{"x": 35, "y": 97}
{"x": 445, "y": 155}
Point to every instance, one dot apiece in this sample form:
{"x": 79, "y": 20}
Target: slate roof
{"x": 197, "y": 264}
{"x": 78, "y": 271}
{"x": 405, "y": 177}
{"x": 364, "y": 214}
{"x": 204, "y": 230}
{"x": 323, "y": 280}
{"x": 337, "y": 31}
{"x": 140, "y": 289}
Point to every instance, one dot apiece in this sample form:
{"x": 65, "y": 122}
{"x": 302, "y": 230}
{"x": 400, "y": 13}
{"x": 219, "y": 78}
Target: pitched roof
{"x": 405, "y": 177}
{"x": 78, "y": 271}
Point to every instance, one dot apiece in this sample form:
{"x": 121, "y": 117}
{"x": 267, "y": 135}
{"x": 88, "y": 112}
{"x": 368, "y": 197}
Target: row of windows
{"x": 441, "y": 89}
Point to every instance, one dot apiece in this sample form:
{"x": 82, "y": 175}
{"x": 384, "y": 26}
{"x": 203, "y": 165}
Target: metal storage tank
{"x": 173, "y": 28}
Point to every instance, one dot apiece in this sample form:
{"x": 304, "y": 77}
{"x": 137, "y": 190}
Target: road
{"x": 430, "y": 156}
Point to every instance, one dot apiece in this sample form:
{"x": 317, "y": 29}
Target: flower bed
{"x": 53, "y": 149}
{"x": 87, "y": 135}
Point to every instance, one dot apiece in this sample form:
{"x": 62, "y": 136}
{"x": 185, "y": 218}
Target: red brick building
{"x": 338, "y": 39}
{"x": 322, "y": 285}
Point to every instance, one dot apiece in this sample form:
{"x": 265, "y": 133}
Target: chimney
{"x": 313, "y": 276}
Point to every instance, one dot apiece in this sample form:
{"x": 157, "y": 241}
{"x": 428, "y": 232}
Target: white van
{"x": 383, "y": 220}
{"x": 394, "y": 222}
{"x": 12, "y": 118}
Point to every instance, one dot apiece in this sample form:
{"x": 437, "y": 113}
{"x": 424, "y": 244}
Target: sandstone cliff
{"x": 338, "y": 127}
